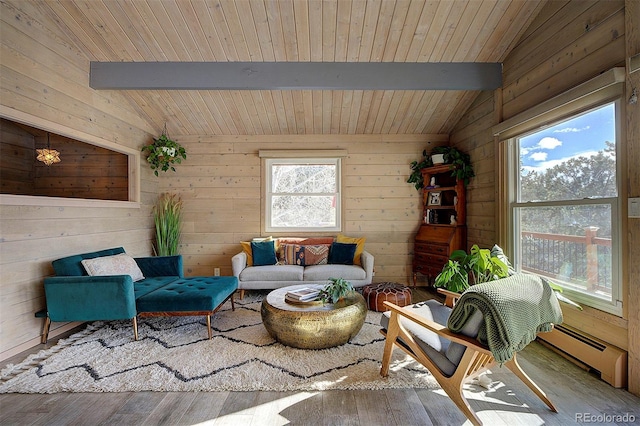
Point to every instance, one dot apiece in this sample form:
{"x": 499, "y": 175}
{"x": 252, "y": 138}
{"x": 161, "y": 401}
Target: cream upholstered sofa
{"x": 290, "y": 265}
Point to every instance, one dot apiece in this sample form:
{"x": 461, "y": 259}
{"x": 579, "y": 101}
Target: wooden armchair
{"x": 453, "y": 358}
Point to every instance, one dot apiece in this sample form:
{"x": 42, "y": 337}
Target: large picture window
{"x": 302, "y": 194}
{"x": 564, "y": 204}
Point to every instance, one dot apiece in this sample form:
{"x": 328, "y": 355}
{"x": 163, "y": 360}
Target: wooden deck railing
{"x": 582, "y": 260}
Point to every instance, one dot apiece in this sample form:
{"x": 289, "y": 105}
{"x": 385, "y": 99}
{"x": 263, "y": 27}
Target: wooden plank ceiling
{"x": 296, "y": 30}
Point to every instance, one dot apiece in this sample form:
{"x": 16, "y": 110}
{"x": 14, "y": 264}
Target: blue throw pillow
{"x": 342, "y": 253}
{"x": 264, "y": 253}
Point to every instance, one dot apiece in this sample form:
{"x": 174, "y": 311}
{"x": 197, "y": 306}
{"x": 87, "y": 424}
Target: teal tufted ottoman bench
{"x": 192, "y": 296}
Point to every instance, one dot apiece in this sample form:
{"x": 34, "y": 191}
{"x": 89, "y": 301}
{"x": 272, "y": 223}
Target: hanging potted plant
{"x": 164, "y": 152}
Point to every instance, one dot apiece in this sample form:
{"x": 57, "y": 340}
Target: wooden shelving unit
{"x": 443, "y": 227}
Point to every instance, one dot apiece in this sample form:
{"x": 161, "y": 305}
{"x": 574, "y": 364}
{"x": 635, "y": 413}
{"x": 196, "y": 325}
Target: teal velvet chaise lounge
{"x": 152, "y": 286}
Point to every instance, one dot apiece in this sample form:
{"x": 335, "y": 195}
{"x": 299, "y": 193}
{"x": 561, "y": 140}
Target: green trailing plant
{"x": 478, "y": 266}
{"x": 163, "y": 153}
{"x": 459, "y": 162}
{"x": 335, "y": 290}
{"x": 416, "y": 170}
{"x": 167, "y": 215}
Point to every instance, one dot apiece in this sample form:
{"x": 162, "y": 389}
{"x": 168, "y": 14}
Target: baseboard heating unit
{"x": 609, "y": 360}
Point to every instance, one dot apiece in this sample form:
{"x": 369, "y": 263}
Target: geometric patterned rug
{"x": 174, "y": 354}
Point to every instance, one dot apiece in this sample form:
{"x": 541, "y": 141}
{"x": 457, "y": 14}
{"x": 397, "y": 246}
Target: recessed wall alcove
{"x": 86, "y": 171}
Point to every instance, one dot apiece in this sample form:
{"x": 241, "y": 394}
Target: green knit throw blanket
{"x": 515, "y": 309}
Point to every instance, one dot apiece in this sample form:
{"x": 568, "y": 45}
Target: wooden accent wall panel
{"x": 44, "y": 75}
{"x": 85, "y": 171}
{"x": 17, "y": 166}
{"x": 220, "y": 185}
{"x": 568, "y": 43}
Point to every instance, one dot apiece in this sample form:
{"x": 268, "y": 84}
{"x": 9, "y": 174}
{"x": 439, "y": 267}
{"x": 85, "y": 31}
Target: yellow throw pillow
{"x": 359, "y": 248}
{"x": 246, "y": 248}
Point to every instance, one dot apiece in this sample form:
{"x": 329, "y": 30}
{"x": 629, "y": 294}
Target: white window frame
{"x": 273, "y": 158}
{"x": 602, "y": 90}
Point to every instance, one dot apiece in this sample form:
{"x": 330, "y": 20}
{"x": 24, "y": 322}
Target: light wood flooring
{"x": 574, "y": 391}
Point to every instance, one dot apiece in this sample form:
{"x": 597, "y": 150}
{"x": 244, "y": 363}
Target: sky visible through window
{"x": 581, "y": 136}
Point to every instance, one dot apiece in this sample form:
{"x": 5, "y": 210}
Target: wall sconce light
{"x": 47, "y": 155}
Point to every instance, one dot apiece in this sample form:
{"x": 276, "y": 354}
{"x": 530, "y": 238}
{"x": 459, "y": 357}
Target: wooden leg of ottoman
{"x": 45, "y": 329}
{"x": 135, "y": 328}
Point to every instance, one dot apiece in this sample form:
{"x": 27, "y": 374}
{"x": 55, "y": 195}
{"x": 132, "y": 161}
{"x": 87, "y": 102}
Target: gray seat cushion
{"x": 444, "y": 353}
{"x": 324, "y": 272}
{"x": 272, "y": 273}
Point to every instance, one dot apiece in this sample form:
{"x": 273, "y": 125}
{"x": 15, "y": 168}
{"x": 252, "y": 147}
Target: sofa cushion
{"x": 342, "y": 253}
{"x": 273, "y": 273}
{"x": 71, "y": 265}
{"x": 246, "y": 247}
{"x": 264, "y": 253}
{"x": 351, "y": 240}
{"x": 444, "y": 353}
{"x": 150, "y": 284}
{"x": 434, "y": 345}
{"x": 305, "y": 255}
{"x": 193, "y": 294}
{"x": 311, "y": 241}
{"x": 324, "y": 272}
{"x": 120, "y": 264}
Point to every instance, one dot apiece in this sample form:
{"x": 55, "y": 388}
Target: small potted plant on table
{"x": 337, "y": 289}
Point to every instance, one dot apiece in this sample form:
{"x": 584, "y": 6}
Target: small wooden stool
{"x": 375, "y": 295}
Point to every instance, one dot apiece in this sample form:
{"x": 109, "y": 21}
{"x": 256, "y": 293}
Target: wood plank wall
{"x": 220, "y": 186}
{"x": 567, "y": 44}
{"x": 632, "y": 36}
{"x": 42, "y": 76}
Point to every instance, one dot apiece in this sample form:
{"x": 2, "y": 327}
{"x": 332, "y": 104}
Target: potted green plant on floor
{"x": 164, "y": 152}
{"x": 478, "y": 266}
{"x": 167, "y": 215}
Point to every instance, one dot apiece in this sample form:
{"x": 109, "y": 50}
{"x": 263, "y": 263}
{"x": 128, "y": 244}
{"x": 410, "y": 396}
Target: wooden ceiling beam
{"x": 295, "y": 76}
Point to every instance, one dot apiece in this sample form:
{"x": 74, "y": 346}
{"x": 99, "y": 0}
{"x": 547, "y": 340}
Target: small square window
{"x": 302, "y": 194}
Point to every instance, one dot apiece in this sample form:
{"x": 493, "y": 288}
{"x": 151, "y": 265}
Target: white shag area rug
{"x": 174, "y": 354}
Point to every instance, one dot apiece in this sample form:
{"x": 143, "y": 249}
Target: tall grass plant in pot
{"x": 167, "y": 215}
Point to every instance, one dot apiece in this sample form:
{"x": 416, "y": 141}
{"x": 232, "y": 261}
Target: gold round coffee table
{"x": 312, "y": 325}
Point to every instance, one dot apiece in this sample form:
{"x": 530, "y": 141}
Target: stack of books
{"x": 305, "y": 294}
